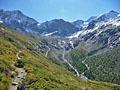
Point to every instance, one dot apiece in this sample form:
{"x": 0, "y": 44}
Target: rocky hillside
{"x": 71, "y": 45}
{"x": 16, "y": 19}
{"x": 41, "y": 73}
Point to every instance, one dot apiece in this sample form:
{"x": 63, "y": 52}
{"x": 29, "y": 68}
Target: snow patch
{"x": 114, "y": 22}
{"x": 49, "y": 34}
{"x": 19, "y": 21}
{"x": 72, "y": 45}
{"x": 117, "y": 24}
{"x": 1, "y": 21}
{"x": 87, "y": 31}
{"x": 27, "y": 30}
{"x": 75, "y": 35}
{"x": 98, "y": 33}
{"x": 118, "y": 15}
{"x": 38, "y": 24}
{"x": 85, "y": 24}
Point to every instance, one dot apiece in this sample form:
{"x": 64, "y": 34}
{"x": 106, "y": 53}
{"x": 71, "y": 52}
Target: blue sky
{"x": 70, "y": 10}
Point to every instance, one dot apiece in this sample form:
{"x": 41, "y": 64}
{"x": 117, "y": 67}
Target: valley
{"x": 77, "y": 73}
{"x": 59, "y": 55}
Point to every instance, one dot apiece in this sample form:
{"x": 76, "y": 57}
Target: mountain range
{"x": 56, "y": 53}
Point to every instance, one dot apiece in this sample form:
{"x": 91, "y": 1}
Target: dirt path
{"x": 47, "y": 51}
{"x": 21, "y": 74}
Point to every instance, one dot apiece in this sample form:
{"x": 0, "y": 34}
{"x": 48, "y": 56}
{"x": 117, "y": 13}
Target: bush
{"x": 20, "y": 64}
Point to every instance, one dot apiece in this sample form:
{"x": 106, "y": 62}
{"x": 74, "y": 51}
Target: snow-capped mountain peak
{"x": 107, "y": 16}
{"x": 93, "y": 24}
{"x": 59, "y": 27}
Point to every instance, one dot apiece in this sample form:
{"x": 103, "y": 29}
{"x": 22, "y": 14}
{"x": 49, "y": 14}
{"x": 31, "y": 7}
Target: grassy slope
{"x": 42, "y": 74}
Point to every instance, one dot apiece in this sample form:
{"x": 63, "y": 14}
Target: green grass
{"x": 42, "y": 74}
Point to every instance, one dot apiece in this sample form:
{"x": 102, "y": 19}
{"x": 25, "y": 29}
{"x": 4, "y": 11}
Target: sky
{"x": 70, "y": 10}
